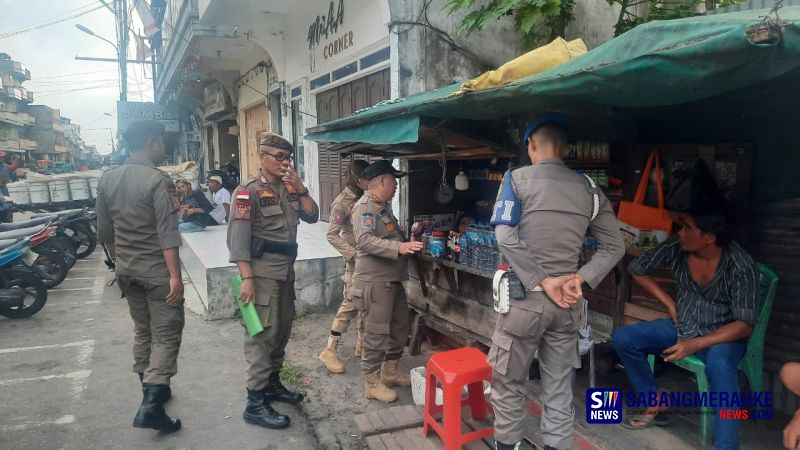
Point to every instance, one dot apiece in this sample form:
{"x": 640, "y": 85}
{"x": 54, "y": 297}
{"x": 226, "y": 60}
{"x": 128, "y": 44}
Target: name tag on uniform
{"x": 507, "y": 210}
{"x": 368, "y": 221}
{"x": 268, "y": 201}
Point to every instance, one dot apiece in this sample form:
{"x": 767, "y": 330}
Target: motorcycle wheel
{"x": 84, "y": 238}
{"x": 36, "y": 292}
{"x": 54, "y": 267}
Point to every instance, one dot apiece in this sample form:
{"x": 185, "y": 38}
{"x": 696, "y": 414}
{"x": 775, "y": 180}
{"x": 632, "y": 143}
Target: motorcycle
{"x": 60, "y": 244}
{"x": 22, "y": 293}
{"x": 50, "y": 264}
{"x": 77, "y": 226}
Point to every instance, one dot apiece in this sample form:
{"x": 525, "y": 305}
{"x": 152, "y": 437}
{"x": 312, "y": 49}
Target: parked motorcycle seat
{"x": 69, "y": 213}
{"x": 25, "y": 224}
{"x": 22, "y": 233}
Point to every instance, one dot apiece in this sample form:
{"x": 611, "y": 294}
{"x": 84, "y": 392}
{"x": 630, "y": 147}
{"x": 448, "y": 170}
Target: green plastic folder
{"x": 249, "y": 313}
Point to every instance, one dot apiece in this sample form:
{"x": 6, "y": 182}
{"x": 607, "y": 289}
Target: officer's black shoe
{"x": 259, "y": 412}
{"x": 167, "y": 393}
{"x": 500, "y": 446}
{"x": 151, "y": 414}
{"x": 547, "y": 447}
{"x": 277, "y": 392}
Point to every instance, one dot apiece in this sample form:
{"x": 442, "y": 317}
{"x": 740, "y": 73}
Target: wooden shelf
{"x": 457, "y": 266}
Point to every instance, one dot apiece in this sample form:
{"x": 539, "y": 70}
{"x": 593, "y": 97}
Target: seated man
{"x": 717, "y": 288}
{"x": 194, "y": 214}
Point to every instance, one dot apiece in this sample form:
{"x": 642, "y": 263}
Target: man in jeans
{"x": 717, "y": 307}
{"x": 195, "y": 208}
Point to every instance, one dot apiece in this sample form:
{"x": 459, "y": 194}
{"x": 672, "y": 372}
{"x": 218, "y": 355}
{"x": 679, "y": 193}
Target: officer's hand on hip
{"x": 247, "y": 291}
{"x": 175, "y": 291}
{"x": 553, "y": 287}
{"x": 409, "y": 248}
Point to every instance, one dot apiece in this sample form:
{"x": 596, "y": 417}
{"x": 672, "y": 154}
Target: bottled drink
{"x": 463, "y": 247}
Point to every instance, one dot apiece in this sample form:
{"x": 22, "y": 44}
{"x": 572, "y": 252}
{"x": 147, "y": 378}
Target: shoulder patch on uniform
{"x": 339, "y": 217}
{"x": 368, "y": 221}
{"x": 243, "y": 207}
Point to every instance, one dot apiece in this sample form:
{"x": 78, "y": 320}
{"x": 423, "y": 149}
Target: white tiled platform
{"x": 318, "y": 270}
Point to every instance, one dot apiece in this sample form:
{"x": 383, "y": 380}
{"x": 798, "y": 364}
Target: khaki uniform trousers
{"x": 265, "y": 351}
{"x": 157, "y": 327}
{"x": 535, "y": 323}
{"x": 347, "y": 310}
{"x": 384, "y": 308}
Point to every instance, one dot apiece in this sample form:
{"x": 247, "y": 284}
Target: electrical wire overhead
{"x": 49, "y": 22}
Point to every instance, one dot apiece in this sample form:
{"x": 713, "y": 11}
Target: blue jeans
{"x": 634, "y": 342}
{"x": 185, "y": 226}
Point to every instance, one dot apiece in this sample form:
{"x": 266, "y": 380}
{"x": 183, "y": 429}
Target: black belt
{"x": 260, "y": 246}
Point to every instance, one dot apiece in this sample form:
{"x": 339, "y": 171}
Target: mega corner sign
{"x": 130, "y": 111}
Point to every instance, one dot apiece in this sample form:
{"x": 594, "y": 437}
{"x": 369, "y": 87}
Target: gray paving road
{"x": 65, "y": 379}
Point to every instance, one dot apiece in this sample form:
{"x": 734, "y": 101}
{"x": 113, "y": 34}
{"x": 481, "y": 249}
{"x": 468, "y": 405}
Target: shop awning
{"x": 660, "y": 63}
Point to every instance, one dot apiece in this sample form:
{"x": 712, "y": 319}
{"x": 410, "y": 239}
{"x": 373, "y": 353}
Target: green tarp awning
{"x": 656, "y": 64}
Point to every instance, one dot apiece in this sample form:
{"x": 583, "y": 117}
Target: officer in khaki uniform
{"x": 262, "y": 241}
{"x": 377, "y": 290}
{"x": 541, "y": 231}
{"x": 340, "y": 235}
{"x": 137, "y": 220}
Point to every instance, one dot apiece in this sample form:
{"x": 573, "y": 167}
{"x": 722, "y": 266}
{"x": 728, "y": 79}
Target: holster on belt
{"x": 260, "y": 246}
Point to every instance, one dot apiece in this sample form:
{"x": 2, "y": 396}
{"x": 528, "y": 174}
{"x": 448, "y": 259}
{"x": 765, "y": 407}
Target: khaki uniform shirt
{"x": 137, "y": 208}
{"x": 340, "y": 227}
{"x": 270, "y": 212}
{"x": 378, "y": 240}
{"x": 556, "y": 213}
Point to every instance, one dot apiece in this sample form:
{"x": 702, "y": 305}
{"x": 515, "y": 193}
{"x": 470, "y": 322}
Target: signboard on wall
{"x": 327, "y": 36}
{"x": 130, "y": 111}
{"x": 214, "y": 100}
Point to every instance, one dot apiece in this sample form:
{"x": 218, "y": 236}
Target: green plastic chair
{"x": 753, "y": 362}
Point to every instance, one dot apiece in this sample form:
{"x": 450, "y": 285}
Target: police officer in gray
{"x": 540, "y": 230}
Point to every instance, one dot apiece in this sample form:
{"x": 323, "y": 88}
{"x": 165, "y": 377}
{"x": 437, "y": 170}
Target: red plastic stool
{"x": 455, "y": 369}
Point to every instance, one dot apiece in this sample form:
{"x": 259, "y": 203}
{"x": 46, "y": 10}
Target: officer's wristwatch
{"x": 304, "y": 193}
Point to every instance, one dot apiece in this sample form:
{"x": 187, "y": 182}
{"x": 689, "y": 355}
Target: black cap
{"x": 381, "y": 167}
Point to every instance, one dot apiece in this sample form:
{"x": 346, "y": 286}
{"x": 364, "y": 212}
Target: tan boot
{"x": 330, "y": 356}
{"x": 358, "y": 344}
{"x": 390, "y": 375}
{"x": 375, "y": 389}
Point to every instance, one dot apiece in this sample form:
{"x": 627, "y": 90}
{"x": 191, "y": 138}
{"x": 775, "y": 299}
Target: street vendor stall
{"x": 715, "y": 88}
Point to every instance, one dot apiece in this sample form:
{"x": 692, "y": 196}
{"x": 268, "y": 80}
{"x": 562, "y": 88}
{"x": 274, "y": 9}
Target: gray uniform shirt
{"x": 378, "y": 240}
{"x": 268, "y": 211}
{"x": 137, "y": 208}
{"x": 556, "y": 212}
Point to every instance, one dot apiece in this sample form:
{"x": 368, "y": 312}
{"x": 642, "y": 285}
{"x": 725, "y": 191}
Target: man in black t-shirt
{"x": 195, "y": 208}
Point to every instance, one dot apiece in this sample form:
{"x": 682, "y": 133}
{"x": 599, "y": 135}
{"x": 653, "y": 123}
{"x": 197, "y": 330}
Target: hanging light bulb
{"x": 462, "y": 181}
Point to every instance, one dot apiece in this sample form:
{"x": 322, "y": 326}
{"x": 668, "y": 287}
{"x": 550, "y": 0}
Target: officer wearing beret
{"x": 542, "y": 215}
{"x": 262, "y": 241}
{"x": 377, "y": 290}
{"x": 137, "y": 220}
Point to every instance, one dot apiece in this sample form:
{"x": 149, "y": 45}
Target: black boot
{"x": 500, "y": 446}
{"x": 166, "y": 393}
{"x": 277, "y": 392}
{"x": 151, "y": 414}
{"x": 259, "y": 412}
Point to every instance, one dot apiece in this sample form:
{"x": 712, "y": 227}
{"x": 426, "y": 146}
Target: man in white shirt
{"x": 221, "y": 199}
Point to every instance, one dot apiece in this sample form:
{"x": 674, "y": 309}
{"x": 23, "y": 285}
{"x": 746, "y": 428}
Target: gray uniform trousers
{"x": 384, "y": 307}
{"x": 265, "y": 351}
{"x": 531, "y": 324}
{"x": 157, "y": 327}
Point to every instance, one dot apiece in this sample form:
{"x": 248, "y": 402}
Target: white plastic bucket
{"x": 19, "y": 193}
{"x": 79, "y": 189}
{"x": 39, "y": 193}
{"x": 59, "y": 191}
{"x": 93, "y": 187}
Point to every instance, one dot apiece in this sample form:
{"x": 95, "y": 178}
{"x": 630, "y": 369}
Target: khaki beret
{"x": 271, "y": 139}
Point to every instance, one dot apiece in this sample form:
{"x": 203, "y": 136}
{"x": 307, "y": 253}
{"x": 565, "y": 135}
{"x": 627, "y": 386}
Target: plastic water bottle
{"x": 463, "y": 254}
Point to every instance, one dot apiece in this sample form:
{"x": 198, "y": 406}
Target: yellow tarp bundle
{"x": 537, "y": 60}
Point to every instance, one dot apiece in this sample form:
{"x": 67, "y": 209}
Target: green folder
{"x": 249, "y": 313}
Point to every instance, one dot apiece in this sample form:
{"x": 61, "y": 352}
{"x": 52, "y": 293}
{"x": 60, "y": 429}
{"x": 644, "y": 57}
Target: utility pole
{"x": 121, "y": 11}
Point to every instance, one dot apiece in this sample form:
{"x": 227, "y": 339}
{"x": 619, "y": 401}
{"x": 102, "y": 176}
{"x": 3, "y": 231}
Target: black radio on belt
{"x": 259, "y": 246}
{"x": 516, "y": 290}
